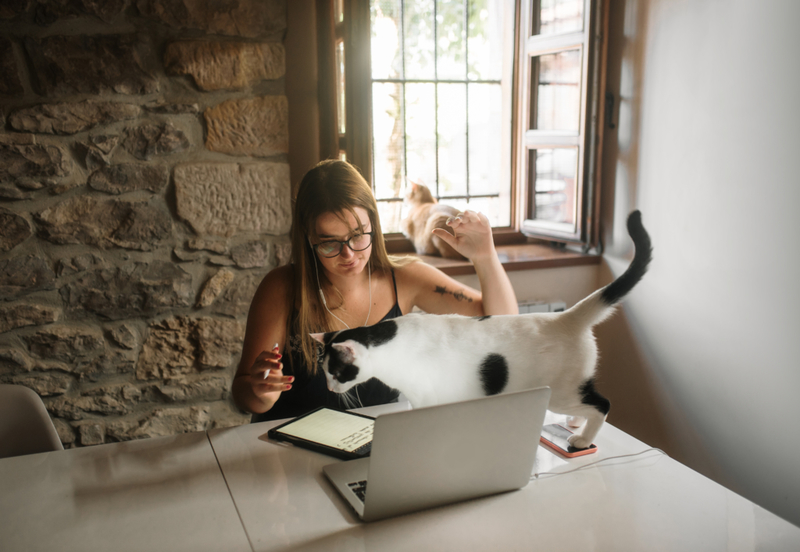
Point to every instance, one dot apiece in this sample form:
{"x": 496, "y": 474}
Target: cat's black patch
{"x": 369, "y": 336}
{"x": 617, "y": 289}
{"x": 342, "y": 371}
{"x": 590, "y": 397}
{"x": 494, "y": 373}
{"x": 482, "y": 318}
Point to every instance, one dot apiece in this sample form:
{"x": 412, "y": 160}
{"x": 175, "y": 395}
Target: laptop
{"x": 443, "y": 454}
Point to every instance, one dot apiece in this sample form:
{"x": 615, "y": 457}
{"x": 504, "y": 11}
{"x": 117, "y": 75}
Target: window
{"x": 557, "y": 118}
{"x": 451, "y": 107}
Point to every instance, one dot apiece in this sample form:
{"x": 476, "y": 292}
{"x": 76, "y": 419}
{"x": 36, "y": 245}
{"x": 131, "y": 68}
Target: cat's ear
{"x": 319, "y": 337}
{"x": 347, "y": 351}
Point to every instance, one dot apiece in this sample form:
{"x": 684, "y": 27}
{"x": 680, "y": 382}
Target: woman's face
{"x": 341, "y": 227}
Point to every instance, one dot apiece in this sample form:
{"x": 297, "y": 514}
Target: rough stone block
{"x": 206, "y": 388}
{"x": 80, "y": 263}
{"x": 129, "y": 291}
{"x": 66, "y": 343}
{"x": 76, "y": 408}
{"x": 14, "y": 360}
{"x": 283, "y": 253}
{"x": 226, "y": 199}
{"x": 215, "y": 246}
{"x": 181, "y": 345}
{"x": 254, "y": 254}
{"x": 20, "y": 275}
{"x": 22, "y": 158}
{"x": 253, "y": 126}
{"x": 125, "y": 335}
{"x": 92, "y": 433}
{"x": 52, "y": 10}
{"x": 14, "y": 230}
{"x": 214, "y": 286}
{"x": 84, "y": 64}
{"x": 10, "y": 84}
{"x": 160, "y": 423}
{"x": 218, "y": 342}
{"x": 70, "y": 118}
{"x": 45, "y": 385}
{"x": 168, "y": 351}
{"x": 247, "y": 18}
{"x": 152, "y": 140}
{"x": 106, "y": 223}
{"x": 18, "y": 315}
{"x": 9, "y": 9}
{"x": 235, "y": 300}
{"x": 225, "y": 65}
{"x": 65, "y": 431}
{"x": 120, "y": 179}
{"x": 98, "y": 150}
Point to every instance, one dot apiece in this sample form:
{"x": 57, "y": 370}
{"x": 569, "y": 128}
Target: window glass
{"x": 451, "y": 47}
{"x": 452, "y": 139}
{"x": 421, "y": 133}
{"x": 556, "y": 16}
{"x": 557, "y": 91}
{"x": 552, "y": 174}
{"x": 441, "y": 73}
{"x": 419, "y": 46}
{"x": 387, "y": 139}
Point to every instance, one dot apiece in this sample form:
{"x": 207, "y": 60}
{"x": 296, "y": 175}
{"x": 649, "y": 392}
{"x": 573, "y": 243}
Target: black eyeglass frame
{"x": 342, "y": 243}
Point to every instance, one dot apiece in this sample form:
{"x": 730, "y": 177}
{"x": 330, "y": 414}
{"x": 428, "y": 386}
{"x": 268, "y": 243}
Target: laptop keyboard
{"x": 359, "y": 488}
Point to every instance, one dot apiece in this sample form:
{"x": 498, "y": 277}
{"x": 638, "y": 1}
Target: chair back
{"x": 25, "y": 425}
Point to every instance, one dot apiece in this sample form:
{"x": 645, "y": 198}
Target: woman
{"x": 341, "y": 277}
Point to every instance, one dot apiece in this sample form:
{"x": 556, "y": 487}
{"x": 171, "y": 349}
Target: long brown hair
{"x": 337, "y": 187}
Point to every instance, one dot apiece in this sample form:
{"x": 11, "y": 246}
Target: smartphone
{"x": 554, "y": 436}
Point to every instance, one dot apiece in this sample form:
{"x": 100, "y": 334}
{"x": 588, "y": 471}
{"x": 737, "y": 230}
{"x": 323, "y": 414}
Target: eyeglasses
{"x": 332, "y": 248}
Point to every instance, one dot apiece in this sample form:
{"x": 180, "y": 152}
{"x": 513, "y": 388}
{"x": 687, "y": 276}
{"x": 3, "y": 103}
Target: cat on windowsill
{"x": 424, "y": 215}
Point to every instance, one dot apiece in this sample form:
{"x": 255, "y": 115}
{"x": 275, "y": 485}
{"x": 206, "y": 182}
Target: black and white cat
{"x": 435, "y": 359}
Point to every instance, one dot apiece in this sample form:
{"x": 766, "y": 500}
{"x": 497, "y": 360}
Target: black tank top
{"x": 311, "y": 391}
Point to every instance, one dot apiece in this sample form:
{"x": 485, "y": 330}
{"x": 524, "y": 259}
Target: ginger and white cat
{"x": 436, "y": 359}
{"x": 424, "y": 215}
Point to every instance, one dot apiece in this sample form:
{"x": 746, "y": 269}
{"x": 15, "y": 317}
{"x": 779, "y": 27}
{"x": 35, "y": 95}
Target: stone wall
{"x": 144, "y": 192}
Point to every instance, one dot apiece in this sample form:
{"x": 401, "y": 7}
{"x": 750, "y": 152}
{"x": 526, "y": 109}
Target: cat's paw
{"x": 579, "y": 441}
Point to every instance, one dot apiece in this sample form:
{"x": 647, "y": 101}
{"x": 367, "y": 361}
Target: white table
{"x": 169, "y": 494}
{"x": 148, "y": 495}
{"x": 649, "y": 502}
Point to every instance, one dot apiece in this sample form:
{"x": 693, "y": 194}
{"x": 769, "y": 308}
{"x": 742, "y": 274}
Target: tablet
{"x": 337, "y": 433}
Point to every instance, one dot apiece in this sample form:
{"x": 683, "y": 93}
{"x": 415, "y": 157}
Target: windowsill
{"x": 525, "y": 256}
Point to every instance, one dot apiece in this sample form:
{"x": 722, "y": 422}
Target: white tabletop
{"x": 169, "y": 494}
{"x": 648, "y": 502}
{"x": 148, "y": 495}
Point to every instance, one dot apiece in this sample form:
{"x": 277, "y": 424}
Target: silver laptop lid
{"x": 448, "y": 453}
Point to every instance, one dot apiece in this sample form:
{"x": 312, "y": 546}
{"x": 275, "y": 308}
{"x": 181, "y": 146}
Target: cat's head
{"x": 418, "y": 193}
{"x": 346, "y": 358}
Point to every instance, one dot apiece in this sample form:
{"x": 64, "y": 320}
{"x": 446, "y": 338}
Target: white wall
{"x": 708, "y": 147}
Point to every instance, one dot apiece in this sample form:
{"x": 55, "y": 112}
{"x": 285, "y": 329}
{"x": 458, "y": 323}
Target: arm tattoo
{"x": 458, "y": 295}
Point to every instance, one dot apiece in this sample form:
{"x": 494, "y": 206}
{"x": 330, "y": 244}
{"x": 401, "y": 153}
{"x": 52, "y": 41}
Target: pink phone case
{"x": 559, "y": 444}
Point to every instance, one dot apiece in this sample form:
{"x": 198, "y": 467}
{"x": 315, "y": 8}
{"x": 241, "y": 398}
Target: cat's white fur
{"x": 435, "y": 359}
{"x": 430, "y": 363}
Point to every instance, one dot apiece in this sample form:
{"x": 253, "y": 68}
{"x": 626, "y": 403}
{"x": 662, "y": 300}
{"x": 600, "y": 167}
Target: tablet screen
{"x": 332, "y": 428}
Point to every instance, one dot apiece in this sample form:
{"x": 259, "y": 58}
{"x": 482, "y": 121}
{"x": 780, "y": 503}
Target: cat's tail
{"x": 600, "y": 304}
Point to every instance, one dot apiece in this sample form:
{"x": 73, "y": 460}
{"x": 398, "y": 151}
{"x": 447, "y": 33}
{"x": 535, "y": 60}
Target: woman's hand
{"x": 473, "y": 235}
{"x": 266, "y": 374}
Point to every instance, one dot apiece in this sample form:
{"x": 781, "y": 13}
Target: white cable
{"x": 325, "y": 303}
{"x": 536, "y": 475}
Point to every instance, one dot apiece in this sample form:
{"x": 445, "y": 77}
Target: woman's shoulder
{"x": 277, "y": 283}
{"x": 416, "y": 272}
